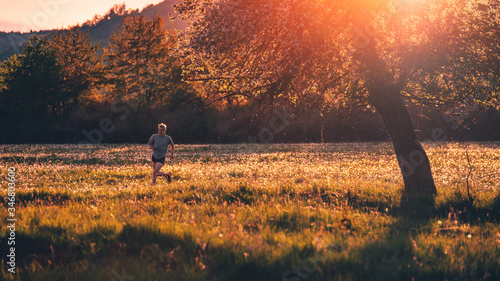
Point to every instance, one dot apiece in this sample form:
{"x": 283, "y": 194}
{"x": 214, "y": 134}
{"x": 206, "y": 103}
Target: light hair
{"x": 162, "y": 126}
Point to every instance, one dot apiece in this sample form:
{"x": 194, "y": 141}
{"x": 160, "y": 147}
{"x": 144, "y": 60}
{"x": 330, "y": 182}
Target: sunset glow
{"x": 26, "y": 15}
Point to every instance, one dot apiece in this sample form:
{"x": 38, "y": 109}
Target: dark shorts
{"x": 162, "y": 160}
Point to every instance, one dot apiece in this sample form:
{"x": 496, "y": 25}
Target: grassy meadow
{"x": 248, "y": 212}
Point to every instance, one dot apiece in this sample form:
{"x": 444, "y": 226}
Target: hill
{"x": 100, "y": 28}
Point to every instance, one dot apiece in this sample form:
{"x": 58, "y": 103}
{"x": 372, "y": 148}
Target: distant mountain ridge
{"x": 99, "y": 29}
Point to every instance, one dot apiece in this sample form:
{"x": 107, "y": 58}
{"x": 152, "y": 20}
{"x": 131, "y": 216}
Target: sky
{"x": 26, "y": 15}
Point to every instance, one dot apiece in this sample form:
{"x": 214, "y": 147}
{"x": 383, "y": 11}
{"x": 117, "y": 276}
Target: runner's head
{"x": 162, "y": 128}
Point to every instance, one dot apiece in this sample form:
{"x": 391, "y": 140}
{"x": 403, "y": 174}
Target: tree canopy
{"x": 82, "y": 65}
{"x": 431, "y": 50}
{"x": 140, "y": 61}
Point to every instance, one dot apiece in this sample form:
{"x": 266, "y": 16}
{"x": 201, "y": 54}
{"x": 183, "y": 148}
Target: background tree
{"x": 34, "y": 95}
{"x": 378, "y": 52}
{"x": 81, "y": 63}
{"x": 142, "y": 66}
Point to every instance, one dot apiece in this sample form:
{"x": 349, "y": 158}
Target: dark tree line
{"x": 62, "y": 85}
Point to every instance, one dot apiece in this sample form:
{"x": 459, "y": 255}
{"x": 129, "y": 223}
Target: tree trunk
{"x": 412, "y": 159}
{"x": 323, "y": 132}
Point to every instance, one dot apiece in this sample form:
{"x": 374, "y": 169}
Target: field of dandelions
{"x": 248, "y": 212}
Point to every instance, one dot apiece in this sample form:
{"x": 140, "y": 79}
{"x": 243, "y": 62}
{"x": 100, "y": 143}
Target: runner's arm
{"x": 151, "y": 142}
{"x": 172, "y": 151}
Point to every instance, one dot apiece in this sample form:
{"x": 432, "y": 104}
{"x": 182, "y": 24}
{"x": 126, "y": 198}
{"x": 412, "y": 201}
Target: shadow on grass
{"x": 398, "y": 255}
{"x": 418, "y": 207}
{"x": 392, "y": 257}
{"x": 466, "y": 211}
{"x": 146, "y": 253}
{"x": 62, "y": 160}
{"x": 42, "y": 197}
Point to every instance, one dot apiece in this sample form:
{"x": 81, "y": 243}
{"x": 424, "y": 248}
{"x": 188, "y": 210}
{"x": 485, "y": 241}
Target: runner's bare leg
{"x": 156, "y": 168}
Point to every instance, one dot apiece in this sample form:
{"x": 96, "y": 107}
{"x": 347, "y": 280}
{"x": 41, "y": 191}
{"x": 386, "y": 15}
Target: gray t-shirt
{"x": 160, "y": 145}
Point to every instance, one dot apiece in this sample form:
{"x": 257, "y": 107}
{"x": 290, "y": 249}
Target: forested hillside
{"x": 100, "y": 28}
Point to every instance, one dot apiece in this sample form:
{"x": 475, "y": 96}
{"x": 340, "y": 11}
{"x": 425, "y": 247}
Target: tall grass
{"x": 249, "y": 212}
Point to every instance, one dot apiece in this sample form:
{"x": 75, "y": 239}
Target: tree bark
{"x": 413, "y": 161}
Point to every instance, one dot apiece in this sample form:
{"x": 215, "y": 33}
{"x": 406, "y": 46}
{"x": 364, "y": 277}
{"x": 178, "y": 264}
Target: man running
{"x": 159, "y": 144}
